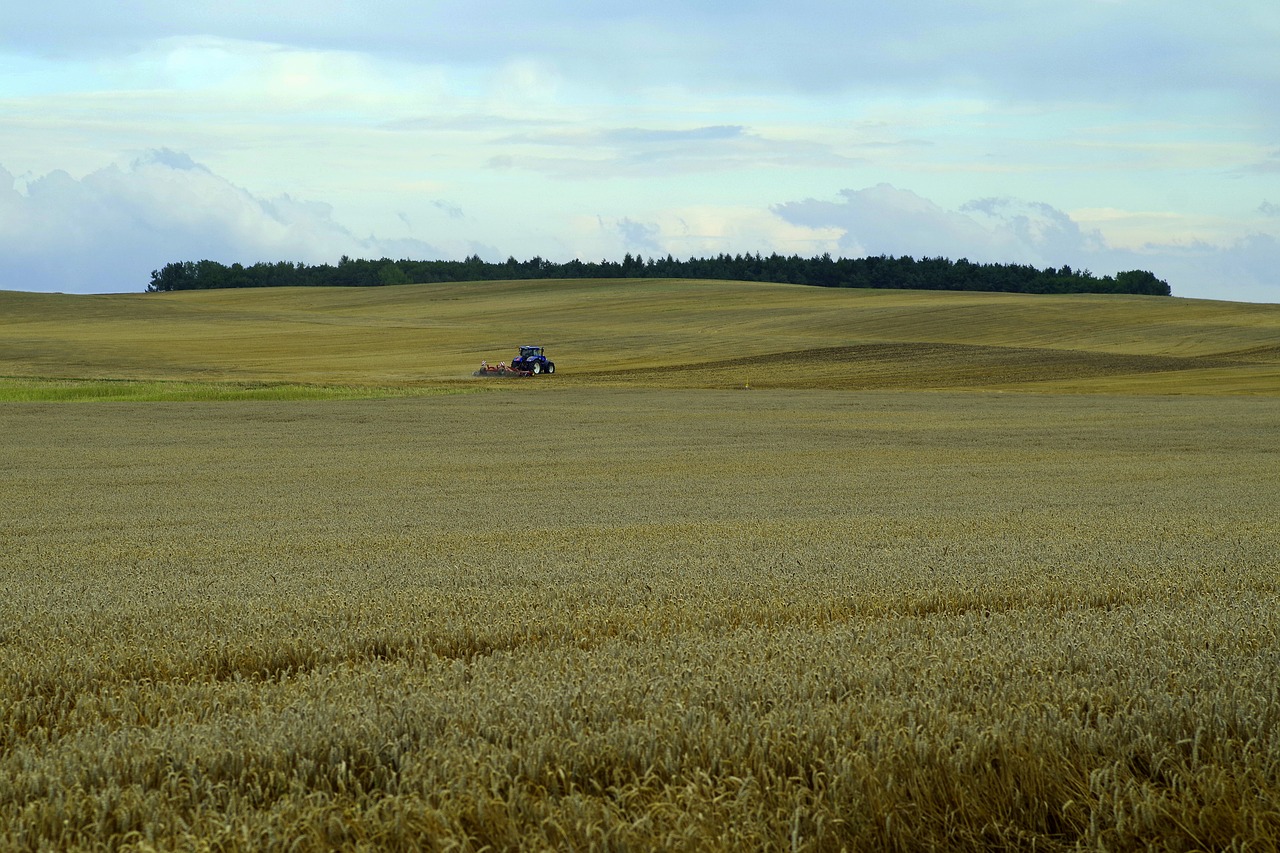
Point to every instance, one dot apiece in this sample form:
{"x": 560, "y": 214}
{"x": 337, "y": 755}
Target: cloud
{"x": 885, "y": 220}
{"x": 1133, "y": 50}
{"x": 695, "y": 231}
{"x": 650, "y": 152}
{"x": 1045, "y": 230}
{"x": 639, "y": 236}
{"x": 1243, "y": 270}
{"x": 105, "y": 232}
{"x": 486, "y": 251}
{"x": 448, "y": 208}
{"x": 108, "y": 230}
{"x": 172, "y": 159}
{"x": 644, "y": 136}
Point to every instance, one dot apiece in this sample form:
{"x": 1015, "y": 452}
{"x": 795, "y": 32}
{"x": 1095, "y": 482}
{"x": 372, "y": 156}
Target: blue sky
{"x": 1103, "y": 134}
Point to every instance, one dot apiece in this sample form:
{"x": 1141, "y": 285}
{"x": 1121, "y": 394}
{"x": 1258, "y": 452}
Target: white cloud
{"x": 697, "y": 231}
{"x": 885, "y": 220}
{"x": 107, "y": 231}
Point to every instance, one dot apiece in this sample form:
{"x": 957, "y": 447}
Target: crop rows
{"x": 636, "y": 620}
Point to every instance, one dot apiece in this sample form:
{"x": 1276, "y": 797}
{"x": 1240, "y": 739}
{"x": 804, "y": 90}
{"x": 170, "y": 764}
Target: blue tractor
{"x": 533, "y": 360}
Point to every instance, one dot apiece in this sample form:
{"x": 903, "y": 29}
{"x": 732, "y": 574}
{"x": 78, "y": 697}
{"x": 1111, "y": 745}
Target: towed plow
{"x": 499, "y": 369}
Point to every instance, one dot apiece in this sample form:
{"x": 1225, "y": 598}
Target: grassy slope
{"x": 663, "y": 333}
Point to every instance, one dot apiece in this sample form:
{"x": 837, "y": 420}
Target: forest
{"x": 904, "y": 273}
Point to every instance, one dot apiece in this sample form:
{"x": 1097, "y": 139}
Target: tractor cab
{"x": 534, "y": 360}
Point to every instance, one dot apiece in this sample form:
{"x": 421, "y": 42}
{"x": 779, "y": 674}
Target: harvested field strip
{"x": 916, "y": 365}
{"x": 413, "y": 336}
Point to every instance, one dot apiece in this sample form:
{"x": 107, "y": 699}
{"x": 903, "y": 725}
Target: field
{"x": 650, "y": 333}
{"x": 774, "y": 568}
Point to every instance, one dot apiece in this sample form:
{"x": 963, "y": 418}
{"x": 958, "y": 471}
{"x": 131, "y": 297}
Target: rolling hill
{"x": 649, "y": 333}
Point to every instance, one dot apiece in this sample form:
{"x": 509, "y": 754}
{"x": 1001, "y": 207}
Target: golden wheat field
{"x": 630, "y": 611}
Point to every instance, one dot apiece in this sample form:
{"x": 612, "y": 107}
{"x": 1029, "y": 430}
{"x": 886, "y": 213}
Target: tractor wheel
{"x": 551, "y": 367}
{"x": 537, "y": 368}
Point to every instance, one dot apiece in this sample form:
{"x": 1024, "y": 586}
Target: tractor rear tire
{"x": 537, "y": 368}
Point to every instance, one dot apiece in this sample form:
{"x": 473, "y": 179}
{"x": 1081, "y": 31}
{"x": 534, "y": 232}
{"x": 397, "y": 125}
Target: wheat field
{"x": 683, "y": 619}
{"x": 1008, "y": 584}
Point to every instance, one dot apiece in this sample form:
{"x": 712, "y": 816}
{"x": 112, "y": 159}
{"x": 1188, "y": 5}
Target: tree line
{"x": 822, "y": 271}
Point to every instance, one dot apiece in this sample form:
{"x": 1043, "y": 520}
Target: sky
{"x": 1105, "y": 135}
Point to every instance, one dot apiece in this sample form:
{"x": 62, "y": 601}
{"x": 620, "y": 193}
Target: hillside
{"x": 648, "y": 333}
